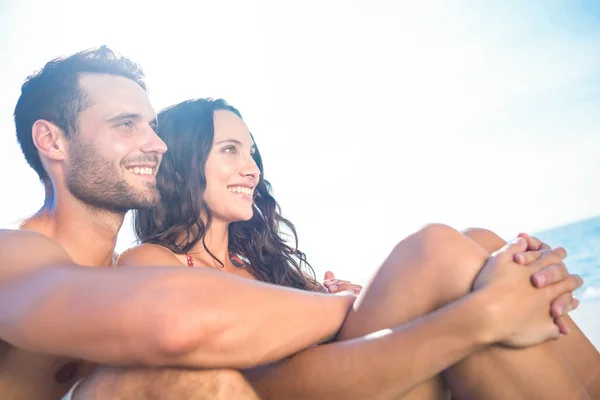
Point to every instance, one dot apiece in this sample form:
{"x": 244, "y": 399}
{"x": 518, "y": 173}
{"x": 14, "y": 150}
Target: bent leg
{"x": 424, "y": 272}
{"x": 574, "y": 352}
{"x": 429, "y": 270}
{"x": 164, "y": 383}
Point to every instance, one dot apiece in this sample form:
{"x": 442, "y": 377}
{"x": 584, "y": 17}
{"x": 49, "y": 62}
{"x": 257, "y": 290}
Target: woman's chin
{"x": 241, "y": 217}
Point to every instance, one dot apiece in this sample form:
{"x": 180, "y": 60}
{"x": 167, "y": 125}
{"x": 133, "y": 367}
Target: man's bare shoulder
{"x": 148, "y": 254}
{"x": 24, "y": 250}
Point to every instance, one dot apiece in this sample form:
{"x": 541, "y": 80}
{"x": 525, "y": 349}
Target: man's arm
{"x": 165, "y": 316}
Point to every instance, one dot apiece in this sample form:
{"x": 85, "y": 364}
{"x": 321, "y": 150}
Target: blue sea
{"x": 582, "y": 241}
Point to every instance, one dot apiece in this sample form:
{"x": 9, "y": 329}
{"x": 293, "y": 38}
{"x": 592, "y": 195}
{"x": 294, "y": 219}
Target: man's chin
{"x": 147, "y": 203}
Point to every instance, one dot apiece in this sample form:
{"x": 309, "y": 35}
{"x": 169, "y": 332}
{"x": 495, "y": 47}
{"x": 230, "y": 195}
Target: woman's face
{"x": 231, "y": 173}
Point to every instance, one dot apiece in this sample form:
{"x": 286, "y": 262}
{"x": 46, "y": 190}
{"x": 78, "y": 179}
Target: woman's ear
{"x": 49, "y": 140}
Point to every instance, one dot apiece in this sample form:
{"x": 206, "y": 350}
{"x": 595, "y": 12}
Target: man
{"x": 85, "y": 125}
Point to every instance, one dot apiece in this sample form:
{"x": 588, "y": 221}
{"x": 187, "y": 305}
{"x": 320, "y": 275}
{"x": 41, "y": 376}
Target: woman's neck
{"x": 217, "y": 242}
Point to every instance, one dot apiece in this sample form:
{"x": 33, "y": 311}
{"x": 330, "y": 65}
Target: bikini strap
{"x": 190, "y": 260}
{"x": 237, "y": 261}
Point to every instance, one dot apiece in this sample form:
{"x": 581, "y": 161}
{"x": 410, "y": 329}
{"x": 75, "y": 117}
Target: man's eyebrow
{"x": 122, "y": 116}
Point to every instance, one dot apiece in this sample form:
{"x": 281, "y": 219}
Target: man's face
{"x": 115, "y": 153}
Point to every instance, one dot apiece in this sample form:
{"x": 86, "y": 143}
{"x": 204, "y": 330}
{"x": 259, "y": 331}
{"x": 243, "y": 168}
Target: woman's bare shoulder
{"x": 148, "y": 254}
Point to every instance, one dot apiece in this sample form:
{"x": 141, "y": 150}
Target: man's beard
{"x": 93, "y": 180}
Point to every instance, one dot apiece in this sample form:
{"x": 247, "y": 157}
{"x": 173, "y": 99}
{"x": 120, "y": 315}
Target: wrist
{"x": 485, "y": 314}
{"x": 341, "y": 305}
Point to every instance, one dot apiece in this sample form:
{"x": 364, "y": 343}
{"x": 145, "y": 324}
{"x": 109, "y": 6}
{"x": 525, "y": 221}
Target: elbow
{"x": 192, "y": 329}
{"x": 177, "y": 339}
{"x": 192, "y": 338}
{"x": 206, "y": 342}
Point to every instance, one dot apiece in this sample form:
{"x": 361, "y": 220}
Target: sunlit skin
{"x": 111, "y": 161}
{"x": 230, "y": 165}
{"x": 231, "y": 172}
{"x": 231, "y": 177}
{"x": 96, "y": 177}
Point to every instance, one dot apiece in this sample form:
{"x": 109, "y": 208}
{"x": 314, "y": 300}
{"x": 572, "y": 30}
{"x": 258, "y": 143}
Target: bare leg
{"x": 574, "y": 352}
{"x": 162, "y": 384}
{"x": 423, "y": 273}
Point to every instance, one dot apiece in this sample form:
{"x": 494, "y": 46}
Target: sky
{"x": 373, "y": 117}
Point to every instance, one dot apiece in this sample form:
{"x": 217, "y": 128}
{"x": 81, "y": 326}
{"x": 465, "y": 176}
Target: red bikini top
{"x": 235, "y": 259}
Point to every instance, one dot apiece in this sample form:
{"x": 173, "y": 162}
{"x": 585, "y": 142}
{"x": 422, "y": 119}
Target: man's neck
{"x": 88, "y": 234}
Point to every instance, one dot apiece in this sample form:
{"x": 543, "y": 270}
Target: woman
{"x": 217, "y": 211}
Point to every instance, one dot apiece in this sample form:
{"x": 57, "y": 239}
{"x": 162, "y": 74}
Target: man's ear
{"x": 49, "y": 139}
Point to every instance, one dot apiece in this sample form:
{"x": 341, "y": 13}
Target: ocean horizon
{"x": 581, "y": 239}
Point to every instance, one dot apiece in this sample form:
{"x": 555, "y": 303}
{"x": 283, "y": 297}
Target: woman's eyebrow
{"x": 234, "y": 141}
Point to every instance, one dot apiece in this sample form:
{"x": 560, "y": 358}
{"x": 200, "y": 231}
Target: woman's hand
{"x": 334, "y": 285}
{"x": 548, "y": 276}
{"x": 534, "y": 243}
{"x": 520, "y": 312}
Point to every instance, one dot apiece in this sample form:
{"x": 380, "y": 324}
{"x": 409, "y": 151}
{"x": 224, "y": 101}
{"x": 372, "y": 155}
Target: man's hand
{"x": 548, "y": 276}
{"x": 334, "y": 285}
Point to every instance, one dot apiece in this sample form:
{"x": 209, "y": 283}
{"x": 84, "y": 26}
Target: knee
{"x": 437, "y": 242}
{"x": 434, "y": 236}
{"x": 485, "y": 238}
{"x": 430, "y": 241}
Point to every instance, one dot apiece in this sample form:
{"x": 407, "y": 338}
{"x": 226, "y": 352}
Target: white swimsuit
{"x": 69, "y": 395}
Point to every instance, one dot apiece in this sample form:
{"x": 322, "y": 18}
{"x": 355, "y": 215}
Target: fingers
{"x": 559, "y": 306}
{"x": 562, "y": 326}
{"x": 519, "y": 245}
{"x": 530, "y": 244}
{"x": 548, "y": 275}
{"x": 555, "y": 328}
{"x": 534, "y": 243}
{"x": 569, "y": 284}
{"x": 328, "y": 275}
{"x": 333, "y": 281}
{"x": 549, "y": 257}
{"x": 545, "y": 246}
{"x": 574, "y": 305}
{"x": 342, "y": 286}
{"x": 563, "y": 305}
{"x": 527, "y": 257}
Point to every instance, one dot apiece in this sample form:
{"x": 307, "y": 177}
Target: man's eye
{"x": 126, "y": 124}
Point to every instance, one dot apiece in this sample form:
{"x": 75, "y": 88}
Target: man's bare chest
{"x": 27, "y": 375}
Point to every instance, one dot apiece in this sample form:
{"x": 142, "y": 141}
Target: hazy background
{"x": 373, "y": 117}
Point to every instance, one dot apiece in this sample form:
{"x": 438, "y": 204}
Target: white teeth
{"x": 141, "y": 170}
{"x": 241, "y": 189}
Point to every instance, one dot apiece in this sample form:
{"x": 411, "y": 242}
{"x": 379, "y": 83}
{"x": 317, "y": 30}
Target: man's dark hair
{"x": 54, "y": 94}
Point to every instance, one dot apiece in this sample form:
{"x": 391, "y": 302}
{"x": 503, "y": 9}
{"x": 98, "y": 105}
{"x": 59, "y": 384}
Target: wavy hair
{"x": 188, "y": 130}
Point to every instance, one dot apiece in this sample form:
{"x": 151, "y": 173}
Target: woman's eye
{"x": 230, "y": 150}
